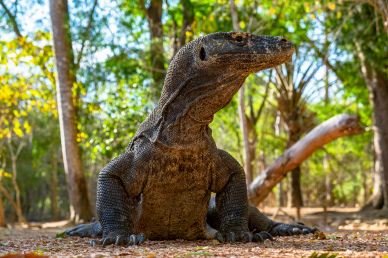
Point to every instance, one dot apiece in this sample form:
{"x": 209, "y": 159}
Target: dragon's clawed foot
{"x": 280, "y": 229}
{"x": 261, "y": 236}
{"x": 242, "y": 236}
{"x": 85, "y": 230}
{"x": 119, "y": 239}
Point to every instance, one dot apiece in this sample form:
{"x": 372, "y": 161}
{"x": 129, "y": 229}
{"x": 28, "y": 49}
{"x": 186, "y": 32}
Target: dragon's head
{"x": 206, "y": 73}
{"x": 238, "y": 53}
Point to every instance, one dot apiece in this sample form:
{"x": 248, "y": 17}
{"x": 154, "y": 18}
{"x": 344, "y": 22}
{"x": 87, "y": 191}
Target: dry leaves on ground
{"x": 339, "y": 244}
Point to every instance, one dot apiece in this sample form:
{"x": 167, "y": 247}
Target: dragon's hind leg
{"x": 259, "y": 222}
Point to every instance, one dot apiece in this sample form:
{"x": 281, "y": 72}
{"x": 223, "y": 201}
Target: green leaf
{"x": 60, "y": 234}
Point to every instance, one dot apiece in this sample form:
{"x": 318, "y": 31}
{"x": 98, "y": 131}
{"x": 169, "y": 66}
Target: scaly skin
{"x": 160, "y": 187}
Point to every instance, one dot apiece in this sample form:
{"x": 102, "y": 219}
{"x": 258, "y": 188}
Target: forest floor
{"x": 346, "y": 234}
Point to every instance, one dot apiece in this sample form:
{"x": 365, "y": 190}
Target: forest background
{"x": 116, "y": 54}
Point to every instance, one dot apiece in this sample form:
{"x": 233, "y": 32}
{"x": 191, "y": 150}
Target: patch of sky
{"x": 321, "y": 39}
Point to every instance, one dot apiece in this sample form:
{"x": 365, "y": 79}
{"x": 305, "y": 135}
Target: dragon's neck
{"x": 187, "y": 107}
{"x": 186, "y": 112}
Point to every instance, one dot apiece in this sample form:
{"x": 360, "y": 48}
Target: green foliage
{"x": 198, "y": 253}
{"x": 21, "y": 94}
{"x": 323, "y": 255}
{"x": 61, "y": 234}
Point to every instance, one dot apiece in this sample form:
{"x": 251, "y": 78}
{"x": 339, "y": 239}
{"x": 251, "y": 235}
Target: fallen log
{"x": 333, "y": 128}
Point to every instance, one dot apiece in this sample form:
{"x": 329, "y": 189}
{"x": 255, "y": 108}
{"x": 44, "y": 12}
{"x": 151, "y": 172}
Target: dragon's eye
{"x": 239, "y": 38}
{"x": 202, "y": 54}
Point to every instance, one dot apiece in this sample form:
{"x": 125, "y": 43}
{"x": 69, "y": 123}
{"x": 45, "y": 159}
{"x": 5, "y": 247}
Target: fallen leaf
{"x": 319, "y": 235}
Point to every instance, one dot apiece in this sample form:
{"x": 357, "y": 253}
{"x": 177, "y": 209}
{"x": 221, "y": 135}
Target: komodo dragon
{"x": 160, "y": 187}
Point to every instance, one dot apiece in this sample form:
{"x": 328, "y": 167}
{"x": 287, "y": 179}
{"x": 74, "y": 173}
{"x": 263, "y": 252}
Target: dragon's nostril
{"x": 239, "y": 38}
{"x": 283, "y": 40}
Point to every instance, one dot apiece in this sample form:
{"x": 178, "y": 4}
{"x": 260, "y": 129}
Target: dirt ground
{"x": 348, "y": 234}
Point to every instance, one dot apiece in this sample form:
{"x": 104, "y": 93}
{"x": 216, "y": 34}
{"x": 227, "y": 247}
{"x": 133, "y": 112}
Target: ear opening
{"x": 202, "y": 54}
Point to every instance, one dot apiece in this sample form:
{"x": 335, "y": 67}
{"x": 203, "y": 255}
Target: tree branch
{"x": 7, "y": 195}
{"x": 85, "y": 34}
{"x": 328, "y": 131}
{"x": 12, "y": 19}
{"x": 261, "y": 108}
{"x": 323, "y": 57}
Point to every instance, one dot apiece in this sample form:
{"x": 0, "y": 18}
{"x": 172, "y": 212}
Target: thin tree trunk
{"x": 11, "y": 201}
{"x": 154, "y": 17}
{"x": 377, "y": 199}
{"x": 54, "y": 186}
{"x": 335, "y": 127}
{"x": 281, "y": 200}
{"x": 245, "y": 134}
{"x": 252, "y": 141}
{"x": 2, "y": 217}
{"x": 15, "y": 185}
{"x": 241, "y": 109}
{"x": 326, "y": 197}
{"x": 295, "y": 198}
{"x": 79, "y": 201}
{"x": 282, "y": 194}
{"x": 296, "y": 193}
{"x": 188, "y": 19}
{"x": 364, "y": 187}
{"x": 14, "y": 157}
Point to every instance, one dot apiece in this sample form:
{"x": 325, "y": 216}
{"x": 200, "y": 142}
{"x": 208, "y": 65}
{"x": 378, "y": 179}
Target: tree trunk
{"x": 296, "y": 199}
{"x": 14, "y": 156}
{"x": 54, "y": 186}
{"x": 154, "y": 17}
{"x": 252, "y": 141}
{"x": 296, "y": 192}
{"x": 2, "y": 217}
{"x": 245, "y": 134}
{"x": 188, "y": 19}
{"x": 15, "y": 185}
{"x": 11, "y": 201}
{"x": 281, "y": 198}
{"x": 377, "y": 199}
{"x": 79, "y": 201}
{"x": 377, "y": 83}
{"x": 335, "y": 127}
{"x": 241, "y": 109}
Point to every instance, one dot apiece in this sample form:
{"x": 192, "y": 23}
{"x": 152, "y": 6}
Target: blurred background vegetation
{"x": 121, "y": 50}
